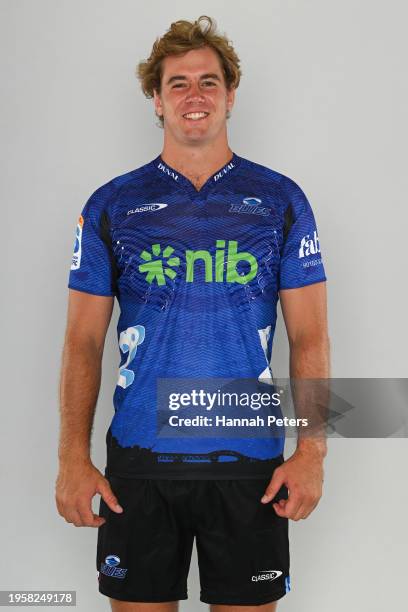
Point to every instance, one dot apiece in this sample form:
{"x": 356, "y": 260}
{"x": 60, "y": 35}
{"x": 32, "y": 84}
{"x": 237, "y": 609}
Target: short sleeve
{"x": 92, "y": 266}
{"x": 301, "y": 261}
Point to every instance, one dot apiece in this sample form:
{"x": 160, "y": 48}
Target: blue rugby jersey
{"x": 196, "y": 275}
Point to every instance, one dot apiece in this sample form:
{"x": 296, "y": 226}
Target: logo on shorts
{"x": 268, "y": 575}
{"x": 110, "y": 567}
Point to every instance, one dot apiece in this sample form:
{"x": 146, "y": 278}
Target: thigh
{"x": 126, "y": 606}
{"x": 269, "y": 607}
{"x": 143, "y": 553}
{"x": 242, "y": 545}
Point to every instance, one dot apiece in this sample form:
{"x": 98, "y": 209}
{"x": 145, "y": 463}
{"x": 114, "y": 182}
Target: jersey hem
{"x": 138, "y": 462}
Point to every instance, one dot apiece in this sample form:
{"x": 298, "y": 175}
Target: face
{"x": 194, "y": 99}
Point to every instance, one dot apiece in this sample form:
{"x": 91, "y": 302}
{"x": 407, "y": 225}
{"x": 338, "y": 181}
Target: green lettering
{"x": 233, "y": 258}
{"x": 191, "y": 257}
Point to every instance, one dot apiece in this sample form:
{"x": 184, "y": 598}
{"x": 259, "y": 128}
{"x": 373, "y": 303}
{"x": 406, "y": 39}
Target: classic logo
{"x": 110, "y": 567}
{"x": 266, "y": 575}
{"x": 161, "y": 264}
{"x": 309, "y": 246}
{"x": 147, "y": 208}
{"x": 250, "y": 206}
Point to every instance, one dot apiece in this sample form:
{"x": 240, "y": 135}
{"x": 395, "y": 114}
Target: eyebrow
{"x": 181, "y": 77}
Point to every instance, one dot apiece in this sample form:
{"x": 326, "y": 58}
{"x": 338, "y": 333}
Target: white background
{"x": 323, "y": 99}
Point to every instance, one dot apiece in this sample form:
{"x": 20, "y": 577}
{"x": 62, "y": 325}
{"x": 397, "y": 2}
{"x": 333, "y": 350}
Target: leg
{"x": 143, "y": 554}
{"x": 269, "y": 607}
{"x": 242, "y": 547}
{"x": 131, "y": 606}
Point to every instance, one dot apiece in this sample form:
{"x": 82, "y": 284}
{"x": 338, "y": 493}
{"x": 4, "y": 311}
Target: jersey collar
{"x": 172, "y": 175}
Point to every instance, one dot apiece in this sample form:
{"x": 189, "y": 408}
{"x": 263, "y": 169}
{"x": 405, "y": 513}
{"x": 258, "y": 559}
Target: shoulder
{"x": 104, "y": 197}
{"x": 291, "y": 194}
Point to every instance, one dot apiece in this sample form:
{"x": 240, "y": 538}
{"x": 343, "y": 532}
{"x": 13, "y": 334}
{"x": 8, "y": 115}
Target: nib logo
{"x": 158, "y": 269}
{"x": 218, "y": 268}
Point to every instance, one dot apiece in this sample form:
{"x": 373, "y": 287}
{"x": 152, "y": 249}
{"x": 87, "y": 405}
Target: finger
{"x": 274, "y": 486}
{"x": 95, "y": 521}
{"x": 302, "y": 513}
{"x": 73, "y": 517}
{"x": 89, "y": 519}
{"x": 108, "y": 496}
{"x": 280, "y": 506}
{"x": 310, "y": 508}
{"x": 292, "y": 506}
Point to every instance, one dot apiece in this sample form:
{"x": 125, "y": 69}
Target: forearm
{"x": 309, "y": 371}
{"x": 79, "y": 388}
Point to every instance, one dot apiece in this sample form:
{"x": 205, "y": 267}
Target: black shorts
{"x": 144, "y": 553}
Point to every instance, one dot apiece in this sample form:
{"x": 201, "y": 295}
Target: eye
{"x": 209, "y": 83}
{"x": 178, "y": 85}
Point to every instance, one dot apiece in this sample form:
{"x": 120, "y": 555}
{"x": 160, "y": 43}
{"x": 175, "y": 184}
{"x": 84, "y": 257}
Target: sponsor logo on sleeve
{"x": 76, "y": 257}
{"x": 310, "y": 245}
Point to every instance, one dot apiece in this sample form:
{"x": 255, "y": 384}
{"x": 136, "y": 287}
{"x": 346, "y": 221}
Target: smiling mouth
{"x": 196, "y": 116}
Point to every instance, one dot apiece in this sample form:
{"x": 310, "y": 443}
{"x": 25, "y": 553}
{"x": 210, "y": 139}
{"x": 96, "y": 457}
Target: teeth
{"x": 195, "y": 115}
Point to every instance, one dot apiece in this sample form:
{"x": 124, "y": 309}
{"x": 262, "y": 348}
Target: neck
{"x": 197, "y": 163}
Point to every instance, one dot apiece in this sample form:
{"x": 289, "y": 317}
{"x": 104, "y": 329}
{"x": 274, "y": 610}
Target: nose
{"x": 194, "y": 93}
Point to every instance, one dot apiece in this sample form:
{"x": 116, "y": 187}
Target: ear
{"x": 230, "y": 98}
{"x": 157, "y": 103}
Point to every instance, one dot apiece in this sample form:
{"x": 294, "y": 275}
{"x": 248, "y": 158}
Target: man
{"x": 197, "y": 245}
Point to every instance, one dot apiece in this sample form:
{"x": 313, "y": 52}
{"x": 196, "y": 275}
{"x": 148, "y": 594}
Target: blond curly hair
{"x": 183, "y": 36}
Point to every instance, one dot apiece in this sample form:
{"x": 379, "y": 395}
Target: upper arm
{"x": 92, "y": 277}
{"x": 305, "y": 313}
{"x": 302, "y": 286}
{"x": 88, "y": 317}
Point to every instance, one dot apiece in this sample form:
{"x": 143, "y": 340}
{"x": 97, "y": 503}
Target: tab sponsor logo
{"x": 309, "y": 245}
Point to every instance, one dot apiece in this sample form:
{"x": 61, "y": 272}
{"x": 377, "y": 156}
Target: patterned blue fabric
{"x": 197, "y": 276}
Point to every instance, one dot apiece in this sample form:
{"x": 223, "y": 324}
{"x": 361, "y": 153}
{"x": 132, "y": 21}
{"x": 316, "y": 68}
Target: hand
{"x": 75, "y": 487}
{"x": 302, "y": 474}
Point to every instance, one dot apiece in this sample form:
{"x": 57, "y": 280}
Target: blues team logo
{"x": 110, "y": 567}
{"x": 76, "y": 257}
{"x": 250, "y": 206}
